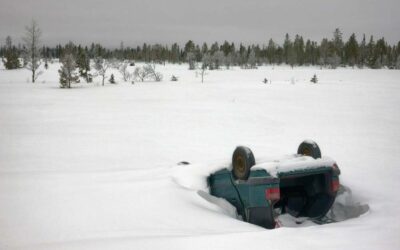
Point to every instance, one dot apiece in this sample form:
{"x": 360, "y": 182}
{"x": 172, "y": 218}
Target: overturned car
{"x": 303, "y": 185}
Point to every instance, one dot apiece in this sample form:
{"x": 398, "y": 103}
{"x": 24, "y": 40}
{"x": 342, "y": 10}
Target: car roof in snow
{"x": 292, "y": 163}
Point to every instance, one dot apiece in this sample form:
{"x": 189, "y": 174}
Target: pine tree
{"x": 10, "y": 60}
{"x": 214, "y": 48}
{"x": 175, "y": 53}
{"x": 363, "y": 52}
{"x": 271, "y": 51}
{"x": 298, "y": 47}
{"x": 338, "y": 44}
{"x": 189, "y": 47}
{"x": 190, "y": 55}
{"x": 226, "y": 48}
{"x": 252, "y": 61}
{"x": 292, "y": 56}
{"x": 197, "y": 52}
{"x": 381, "y": 51}
{"x": 204, "y": 49}
{"x": 83, "y": 64}
{"x": 287, "y": 48}
{"x": 371, "y": 53}
{"x": 351, "y": 50}
{"x": 242, "y": 56}
{"x": 314, "y": 79}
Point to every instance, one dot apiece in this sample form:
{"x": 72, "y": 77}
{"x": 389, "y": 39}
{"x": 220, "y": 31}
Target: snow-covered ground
{"x": 94, "y": 167}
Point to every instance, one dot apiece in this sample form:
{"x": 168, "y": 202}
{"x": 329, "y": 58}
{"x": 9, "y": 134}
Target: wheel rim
{"x": 307, "y": 151}
{"x": 240, "y": 166}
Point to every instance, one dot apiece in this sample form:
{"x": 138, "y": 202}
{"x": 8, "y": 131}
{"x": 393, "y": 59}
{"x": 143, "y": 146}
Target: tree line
{"x": 295, "y": 51}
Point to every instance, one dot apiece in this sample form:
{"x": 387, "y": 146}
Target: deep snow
{"x": 95, "y": 167}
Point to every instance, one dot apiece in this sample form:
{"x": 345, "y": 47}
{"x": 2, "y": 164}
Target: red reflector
{"x": 273, "y": 194}
{"x": 335, "y": 185}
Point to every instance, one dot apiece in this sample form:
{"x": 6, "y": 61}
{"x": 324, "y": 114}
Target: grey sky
{"x": 251, "y": 21}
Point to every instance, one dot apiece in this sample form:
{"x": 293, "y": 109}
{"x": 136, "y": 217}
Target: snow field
{"x": 95, "y": 167}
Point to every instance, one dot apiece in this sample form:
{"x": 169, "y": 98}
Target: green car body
{"x": 304, "y": 191}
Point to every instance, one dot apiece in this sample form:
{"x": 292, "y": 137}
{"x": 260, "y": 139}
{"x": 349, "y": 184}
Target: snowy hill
{"x": 94, "y": 167}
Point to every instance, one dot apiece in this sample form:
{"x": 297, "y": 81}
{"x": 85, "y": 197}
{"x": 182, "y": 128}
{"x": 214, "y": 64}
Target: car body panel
{"x": 251, "y": 193}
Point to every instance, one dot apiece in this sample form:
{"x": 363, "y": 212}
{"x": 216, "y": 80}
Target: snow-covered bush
{"x": 123, "y": 69}
{"x": 153, "y": 74}
{"x": 101, "y": 66}
{"x": 139, "y": 74}
{"x": 191, "y": 59}
{"x": 67, "y": 71}
{"x": 147, "y": 72}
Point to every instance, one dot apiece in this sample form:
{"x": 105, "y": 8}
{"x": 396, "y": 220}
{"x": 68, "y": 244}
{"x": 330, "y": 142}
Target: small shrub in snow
{"x": 314, "y": 79}
{"x": 112, "y": 80}
{"x": 153, "y": 74}
{"x": 147, "y": 72}
{"x": 174, "y": 78}
{"x": 139, "y": 74}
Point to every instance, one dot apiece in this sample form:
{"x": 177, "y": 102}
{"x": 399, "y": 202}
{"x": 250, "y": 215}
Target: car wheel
{"x": 309, "y": 148}
{"x": 242, "y": 161}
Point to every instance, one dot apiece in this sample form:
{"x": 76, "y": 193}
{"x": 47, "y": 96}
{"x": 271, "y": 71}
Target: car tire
{"x": 309, "y": 148}
{"x": 242, "y": 161}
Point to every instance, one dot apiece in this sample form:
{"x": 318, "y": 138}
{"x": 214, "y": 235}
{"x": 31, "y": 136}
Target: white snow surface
{"x": 94, "y": 167}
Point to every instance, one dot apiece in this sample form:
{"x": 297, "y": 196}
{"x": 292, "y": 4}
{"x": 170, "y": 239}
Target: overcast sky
{"x": 167, "y": 21}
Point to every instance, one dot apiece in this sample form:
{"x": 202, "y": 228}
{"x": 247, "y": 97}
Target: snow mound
{"x": 194, "y": 176}
{"x": 346, "y": 206}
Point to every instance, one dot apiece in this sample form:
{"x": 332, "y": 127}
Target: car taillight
{"x": 273, "y": 194}
{"x": 335, "y": 185}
